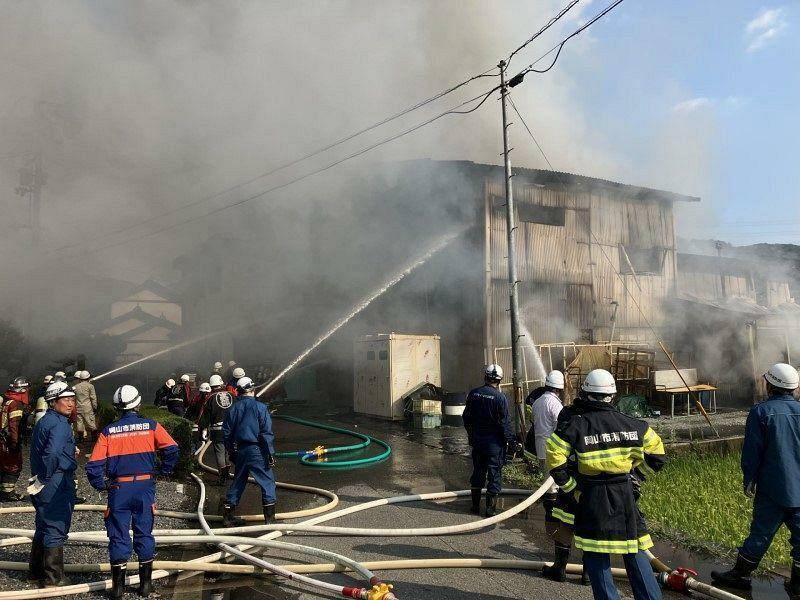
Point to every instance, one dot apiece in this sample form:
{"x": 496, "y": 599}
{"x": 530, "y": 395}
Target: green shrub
{"x": 179, "y": 428}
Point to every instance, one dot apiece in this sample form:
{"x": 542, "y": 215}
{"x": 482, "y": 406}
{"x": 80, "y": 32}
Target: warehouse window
{"x": 645, "y": 261}
{"x": 383, "y": 354}
{"x": 544, "y": 215}
{"x": 371, "y": 355}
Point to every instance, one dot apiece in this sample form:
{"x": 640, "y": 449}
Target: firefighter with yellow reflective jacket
{"x": 607, "y": 446}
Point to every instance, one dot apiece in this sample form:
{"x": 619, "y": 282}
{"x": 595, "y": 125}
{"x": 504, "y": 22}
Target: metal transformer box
{"x": 387, "y": 366}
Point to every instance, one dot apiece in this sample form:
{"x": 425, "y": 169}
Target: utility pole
{"x": 31, "y": 181}
{"x": 513, "y": 283}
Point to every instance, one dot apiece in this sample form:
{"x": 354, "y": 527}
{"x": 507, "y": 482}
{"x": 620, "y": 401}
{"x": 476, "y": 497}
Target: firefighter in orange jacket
{"x": 13, "y": 408}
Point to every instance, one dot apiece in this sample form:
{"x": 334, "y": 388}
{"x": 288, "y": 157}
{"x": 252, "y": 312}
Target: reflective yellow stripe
{"x": 648, "y": 435}
{"x": 15, "y": 414}
{"x": 614, "y": 546}
{"x": 609, "y": 453}
{"x": 570, "y": 485}
{"x": 645, "y": 468}
{"x": 557, "y": 441}
{"x": 564, "y": 516}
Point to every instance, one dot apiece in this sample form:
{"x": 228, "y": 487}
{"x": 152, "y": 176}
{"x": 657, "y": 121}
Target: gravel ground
{"x": 167, "y": 497}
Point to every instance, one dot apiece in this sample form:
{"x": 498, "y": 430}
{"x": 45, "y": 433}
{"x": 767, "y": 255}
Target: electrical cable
{"x": 546, "y": 26}
{"x": 482, "y": 97}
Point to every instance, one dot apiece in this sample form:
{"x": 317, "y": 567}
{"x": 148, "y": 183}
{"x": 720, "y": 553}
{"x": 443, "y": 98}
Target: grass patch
{"x": 697, "y": 501}
{"x": 520, "y": 474}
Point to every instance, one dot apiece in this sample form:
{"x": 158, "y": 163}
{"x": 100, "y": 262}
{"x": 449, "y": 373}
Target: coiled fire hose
{"x": 315, "y": 457}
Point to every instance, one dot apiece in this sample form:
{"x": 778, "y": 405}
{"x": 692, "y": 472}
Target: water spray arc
{"x": 438, "y": 246}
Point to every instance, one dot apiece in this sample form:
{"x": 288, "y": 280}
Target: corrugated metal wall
{"x": 568, "y": 273}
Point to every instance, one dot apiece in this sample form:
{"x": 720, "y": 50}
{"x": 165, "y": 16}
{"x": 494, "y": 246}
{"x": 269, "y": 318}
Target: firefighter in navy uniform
{"x": 489, "y": 429}
{"x": 771, "y": 473}
{"x": 180, "y": 397}
{"x": 217, "y": 405}
{"x": 607, "y": 446}
{"x": 123, "y": 462}
{"x": 251, "y": 445}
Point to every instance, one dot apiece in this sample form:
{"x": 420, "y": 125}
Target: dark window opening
{"x": 371, "y": 355}
{"x": 544, "y": 215}
{"x": 645, "y": 261}
{"x": 383, "y": 355}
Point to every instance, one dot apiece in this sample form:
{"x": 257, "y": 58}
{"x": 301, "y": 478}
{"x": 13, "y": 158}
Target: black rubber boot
{"x": 739, "y": 576}
{"x": 558, "y": 571}
{"x": 118, "y": 573}
{"x": 491, "y": 505}
{"x": 146, "y": 578}
{"x": 54, "y": 568}
{"x": 222, "y": 476}
{"x": 36, "y": 566}
{"x": 793, "y": 585}
{"x": 475, "y": 509}
{"x": 228, "y": 518}
{"x": 269, "y": 513}
{"x": 10, "y": 497}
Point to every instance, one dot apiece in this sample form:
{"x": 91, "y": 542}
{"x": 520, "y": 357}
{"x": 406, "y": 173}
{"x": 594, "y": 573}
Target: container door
{"x": 428, "y": 361}
{"x": 383, "y": 375}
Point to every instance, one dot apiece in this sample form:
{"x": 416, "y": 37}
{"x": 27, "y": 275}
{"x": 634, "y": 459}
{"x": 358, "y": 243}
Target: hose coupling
{"x": 381, "y": 591}
{"x": 677, "y": 580}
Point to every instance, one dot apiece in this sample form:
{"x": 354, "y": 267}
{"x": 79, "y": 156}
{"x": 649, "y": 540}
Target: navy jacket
{"x": 771, "y": 451}
{"x": 486, "y": 417}
{"x": 248, "y": 422}
{"x": 52, "y": 452}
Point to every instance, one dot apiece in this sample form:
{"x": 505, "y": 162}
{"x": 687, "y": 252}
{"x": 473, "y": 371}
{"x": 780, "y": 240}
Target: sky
{"x": 702, "y": 98}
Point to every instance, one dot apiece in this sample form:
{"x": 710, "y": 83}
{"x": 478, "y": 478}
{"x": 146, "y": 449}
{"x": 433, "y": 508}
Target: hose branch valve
{"x": 381, "y": 591}
{"x": 677, "y": 580}
{"x": 318, "y": 452}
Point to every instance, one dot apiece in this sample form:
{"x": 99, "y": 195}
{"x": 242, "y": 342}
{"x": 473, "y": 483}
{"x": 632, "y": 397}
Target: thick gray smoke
{"x": 139, "y": 108}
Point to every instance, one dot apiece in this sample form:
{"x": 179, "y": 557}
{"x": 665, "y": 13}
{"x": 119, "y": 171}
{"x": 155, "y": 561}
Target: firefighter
{"x": 228, "y": 373}
{"x": 41, "y": 399}
{"x": 238, "y": 373}
{"x": 771, "y": 473}
{"x": 560, "y": 513}
{"x": 247, "y": 431}
{"x": 52, "y": 487}
{"x": 194, "y": 413}
{"x": 164, "y": 393}
{"x": 219, "y": 402}
{"x": 60, "y": 376}
{"x": 489, "y": 431}
{"x": 545, "y": 411}
{"x": 180, "y": 396}
{"x": 86, "y": 400}
{"x": 13, "y": 407}
{"x": 217, "y": 369}
{"x": 123, "y": 462}
{"x": 607, "y": 445}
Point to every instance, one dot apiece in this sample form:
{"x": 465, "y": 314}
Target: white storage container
{"x": 387, "y": 366}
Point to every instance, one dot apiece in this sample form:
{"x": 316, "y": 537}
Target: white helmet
{"x": 170, "y": 383}
{"x": 215, "y": 381}
{"x": 205, "y": 387}
{"x": 600, "y": 383}
{"x": 217, "y": 365}
{"x": 231, "y": 363}
{"x": 493, "y": 372}
{"x": 85, "y": 375}
{"x": 185, "y": 378}
{"x": 238, "y": 373}
{"x": 48, "y": 379}
{"x": 77, "y": 374}
{"x": 783, "y": 376}
{"x": 555, "y": 379}
{"x": 245, "y": 384}
{"x": 127, "y": 398}
{"x": 57, "y": 390}
{"x": 60, "y": 375}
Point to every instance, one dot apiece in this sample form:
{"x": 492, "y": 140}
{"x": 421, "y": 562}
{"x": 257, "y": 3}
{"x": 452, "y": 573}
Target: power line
{"x": 482, "y": 97}
{"x": 546, "y": 26}
{"x": 330, "y": 146}
{"x": 558, "y": 47}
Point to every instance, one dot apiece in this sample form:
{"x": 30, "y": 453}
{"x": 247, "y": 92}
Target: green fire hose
{"x": 315, "y": 457}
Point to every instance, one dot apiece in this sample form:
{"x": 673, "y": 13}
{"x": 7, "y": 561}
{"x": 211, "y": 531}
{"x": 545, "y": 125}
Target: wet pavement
{"x": 422, "y": 461}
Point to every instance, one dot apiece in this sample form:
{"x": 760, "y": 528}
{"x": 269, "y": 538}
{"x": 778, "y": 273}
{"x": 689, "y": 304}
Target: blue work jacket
{"x": 486, "y": 417}
{"x": 771, "y": 451}
{"x": 52, "y": 452}
{"x": 248, "y": 422}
